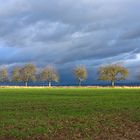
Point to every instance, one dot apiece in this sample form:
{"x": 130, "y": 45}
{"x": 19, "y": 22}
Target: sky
{"x": 66, "y": 33}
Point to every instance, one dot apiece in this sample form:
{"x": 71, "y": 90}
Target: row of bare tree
{"x": 28, "y": 72}
{"x": 112, "y": 73}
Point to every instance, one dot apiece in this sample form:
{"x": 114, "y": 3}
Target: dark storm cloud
{"x": 132, "y": 34}
{"x": 67, "y": 33}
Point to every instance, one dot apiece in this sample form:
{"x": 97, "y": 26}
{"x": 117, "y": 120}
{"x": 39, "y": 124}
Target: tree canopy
{"x": 113, "y": 73}
{"x": 3, "y": 75}
{"x": 49, "y": 74}
{"x": 80, "y": 73}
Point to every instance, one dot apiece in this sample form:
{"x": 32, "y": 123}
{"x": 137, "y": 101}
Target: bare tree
{"x": 16, "y": 74}
{"x": 80, "y": 73}
{"x": 28, "y": 73}
{"x": 49, "y": 74}
{"x": 3, "y": 75}
{"x": 113, "y": 73}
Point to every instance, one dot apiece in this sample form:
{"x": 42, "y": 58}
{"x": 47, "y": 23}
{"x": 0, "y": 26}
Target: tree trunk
{"x": 43, "y": 84}
{"x": 49, "y": 84}
{"x": 113, "y": 83}
{"x": 80, "y": 82}
{"x": 26, "y": 84}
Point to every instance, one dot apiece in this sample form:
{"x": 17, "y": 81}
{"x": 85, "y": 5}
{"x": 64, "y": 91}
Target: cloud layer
{"x": 68, "y": 32}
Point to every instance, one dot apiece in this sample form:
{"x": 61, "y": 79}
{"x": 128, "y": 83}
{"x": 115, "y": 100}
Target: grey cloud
{"x": 66, "y": 33}
{"x": 132, "y": 34}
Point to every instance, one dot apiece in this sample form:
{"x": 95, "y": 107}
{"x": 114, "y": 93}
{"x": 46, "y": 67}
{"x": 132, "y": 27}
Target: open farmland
{"x": 69, "y": 113}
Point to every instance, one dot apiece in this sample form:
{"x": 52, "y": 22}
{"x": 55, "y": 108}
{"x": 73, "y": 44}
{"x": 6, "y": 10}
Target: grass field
{"x": 67, "y": 114}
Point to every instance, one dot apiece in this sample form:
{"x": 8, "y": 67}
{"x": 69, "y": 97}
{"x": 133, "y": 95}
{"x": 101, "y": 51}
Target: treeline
{"x": 49, "y": 74}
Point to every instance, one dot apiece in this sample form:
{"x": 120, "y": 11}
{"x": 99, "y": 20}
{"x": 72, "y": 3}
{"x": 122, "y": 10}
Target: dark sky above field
{"x": 69, "y": 32}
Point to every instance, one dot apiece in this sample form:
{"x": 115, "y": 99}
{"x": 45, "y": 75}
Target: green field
{"x": 67, "y": 114}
